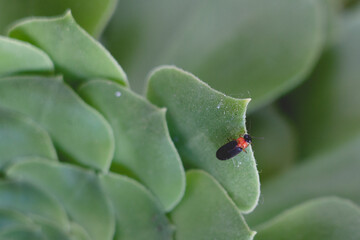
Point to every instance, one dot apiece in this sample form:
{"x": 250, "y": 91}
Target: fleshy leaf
{"x": 10, "y": 217}
{"x": 200, "y": 121}
{"x": 92, "y": 15}
{"x": 19, "y": 57}
{"x": 77, "y": 189}
{"x": 33, "y": 202}
{"x": 142, "y": 142}
{"x": 75, "y": 53}
{"x": 77, "y": 130}
{"x": 48, "y": 230}
{"x": 21, "y": 137}
{"x": 333, "y": 91}
{"x": 22, "y": 232}
{"x": 262, "y": 47}
{"x": 78, "y": 232}
{"x": 207, "y": 212}
{"x": 53, "y": 231}
{"x": 334, "y": 173}
{"x": 320, "y": 219}
{"x": 139, "y": 215}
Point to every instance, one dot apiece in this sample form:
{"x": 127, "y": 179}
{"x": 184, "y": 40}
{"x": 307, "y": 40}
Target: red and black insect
{"x": 233, "y": 148}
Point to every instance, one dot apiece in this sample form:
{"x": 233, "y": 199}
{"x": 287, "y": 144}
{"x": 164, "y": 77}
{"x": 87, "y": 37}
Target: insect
{"x": 233, "y": 148}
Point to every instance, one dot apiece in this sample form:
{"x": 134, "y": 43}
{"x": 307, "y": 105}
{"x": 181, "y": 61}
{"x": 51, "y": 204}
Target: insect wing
{"x": 228, "y": 151}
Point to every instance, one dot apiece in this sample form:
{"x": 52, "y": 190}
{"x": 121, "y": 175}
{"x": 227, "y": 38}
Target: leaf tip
{"x": 68, "y": 13}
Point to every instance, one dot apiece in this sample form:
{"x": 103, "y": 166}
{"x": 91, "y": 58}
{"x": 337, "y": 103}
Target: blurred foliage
{"x": 240, "y": 46}
{"x": 92, "y": 15}
{"x": 313, "y": 220}
{"x": 82, "y": 156}
{"x": 332, "y": 90}
{"x": 275, "y": 141}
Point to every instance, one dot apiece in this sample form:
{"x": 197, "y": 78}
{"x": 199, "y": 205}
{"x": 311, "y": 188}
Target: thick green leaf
{"x": 33, "y": 202}
{"x": 19, "y": 57}
{"x": 320, "y": 219}
{"x": 333, "y": 93}
{"x": 10, "y": 217}
{"x": 264, "y": 47}
{"x": 274, "y": 143}
{"x": 52, "y": 231}
{"x": 139, "y": 216}
{"x": 21, "y": 137}
{"x": 22, "y": 233}
{"x": 333, "y": 173}
{"x": 142, "y": 142}
{"x": 207, "y": 212}
{"x": 92, "y": 15}
{"x": 77, "y": 130}
{"x": 78, "y": 232}
{"x": 77, "y": 189}
{"x": 200, "y": 121}
{"x": 75, "y": 53}
{"x": 16, "y": 220}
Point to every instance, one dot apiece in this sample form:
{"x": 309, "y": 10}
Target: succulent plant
{"x": 83, "y": 156}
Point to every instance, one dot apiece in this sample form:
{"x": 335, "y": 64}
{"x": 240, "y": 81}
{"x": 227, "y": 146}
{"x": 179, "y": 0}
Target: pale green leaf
{"x": 143, "y": 148}
{"x": 22, "y": 233}
{"x": 21, "y": 137}
{"x": 31, "y": 201}
{"x": 14, "y": 219}
{"x": 78, "y": 232}
{"x": 53, "y": 231}
{"x": 77, "y": 189}
{"x": 11, "y": 217}
{"x": 75, "y": 54}
{"x": 78, "y": 131}
{"x": 139, "y": 215}
{"x": 320, "y": 219}
{"x": 206, "y": 212}
{"x": 20, "y": 57}
{"x": 92, "y": 15}
{"x": 200, "y": 121}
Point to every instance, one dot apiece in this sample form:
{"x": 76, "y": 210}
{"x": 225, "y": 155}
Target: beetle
{"x": 233, "y": 148}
